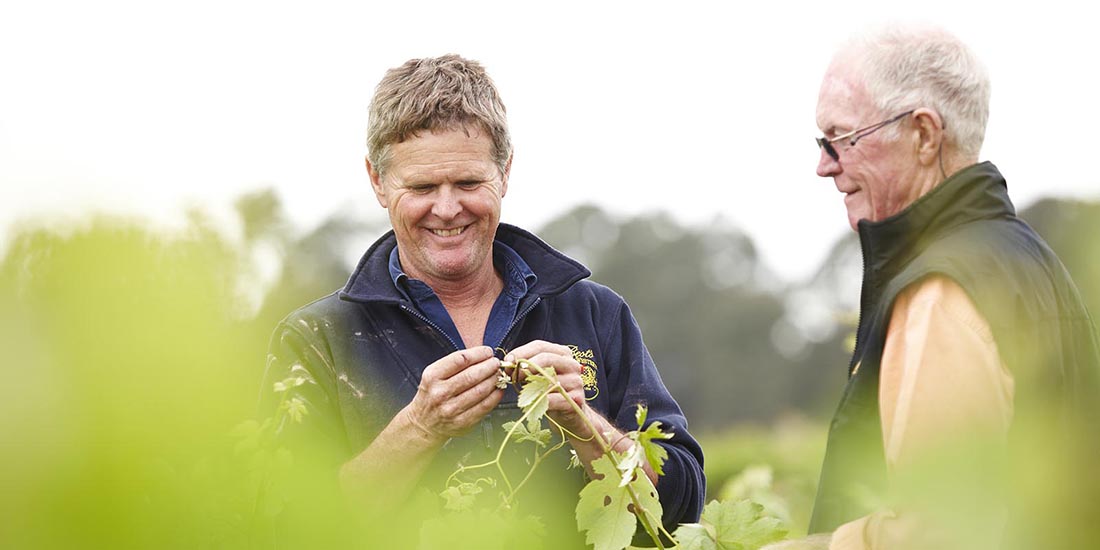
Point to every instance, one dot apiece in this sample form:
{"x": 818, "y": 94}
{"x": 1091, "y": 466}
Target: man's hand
{"x": 560, "y": 358}
{"x": 455, "y": 393}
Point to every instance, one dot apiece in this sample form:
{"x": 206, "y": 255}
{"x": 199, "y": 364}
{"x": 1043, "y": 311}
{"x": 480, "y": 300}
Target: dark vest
{"x": 967, "y": 230}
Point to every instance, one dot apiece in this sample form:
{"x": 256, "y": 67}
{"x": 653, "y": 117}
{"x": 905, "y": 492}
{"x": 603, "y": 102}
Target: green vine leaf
{"x": 574, "y": 460}
{"x": 730, "y": 525}
{"x": 654, "y": 453}
{"x": 299, "y": 376}
{"x": 630, "y": 463}
{"x": 646, "y": 440}
{"x": 532, "y": 398}
{"x": 696, "y": 536}
{"x": 295, "y": 408}
{"x": 531, "y": 431}
{"x": 605, "y": 510}
{"x": 460, "y": 497}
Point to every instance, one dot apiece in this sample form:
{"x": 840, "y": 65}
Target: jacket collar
{"x": 973, "y": 193}
{"x": 556, "y": 272}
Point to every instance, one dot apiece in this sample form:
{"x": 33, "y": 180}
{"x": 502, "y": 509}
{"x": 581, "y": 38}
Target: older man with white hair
{"x": 968, "y": 322}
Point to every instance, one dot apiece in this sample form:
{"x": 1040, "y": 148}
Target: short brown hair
{"x": 440, "y": 93}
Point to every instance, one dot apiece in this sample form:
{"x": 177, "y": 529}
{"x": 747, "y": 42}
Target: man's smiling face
{"x": 443, "y": 192}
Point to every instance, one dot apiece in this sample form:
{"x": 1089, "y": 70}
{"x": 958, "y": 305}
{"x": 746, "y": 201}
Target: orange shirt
{"x": 941, "y": 378}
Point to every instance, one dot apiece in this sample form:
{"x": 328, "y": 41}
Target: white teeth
{"x": 447, "y": 232}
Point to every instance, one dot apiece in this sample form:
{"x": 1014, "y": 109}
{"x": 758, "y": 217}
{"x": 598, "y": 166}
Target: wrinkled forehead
{"x": 463, "y": 153}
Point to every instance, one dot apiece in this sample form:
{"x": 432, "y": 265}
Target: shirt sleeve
{"x": 300, "y": 372}
{"x": 941, "y": 380}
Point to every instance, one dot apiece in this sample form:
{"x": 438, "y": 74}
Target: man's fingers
{"x": 535, "y": 347}
{"x": 456, "y": 404}
{"x": 481, "y": 408}
{"x": 457, "y": 362}
{"x": 555, "y": 402}
{"x": 472, "y": 396}
{"x": 474, "y": 375}
{"x": 458, "y": 415}
{"x": 561, "y": 364}
{"x": 571, "y": 382}
{"x": 575, "y": 394}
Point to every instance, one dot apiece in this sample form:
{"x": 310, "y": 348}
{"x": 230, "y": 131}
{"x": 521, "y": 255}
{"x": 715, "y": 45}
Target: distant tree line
{"x": 733, "y": 342}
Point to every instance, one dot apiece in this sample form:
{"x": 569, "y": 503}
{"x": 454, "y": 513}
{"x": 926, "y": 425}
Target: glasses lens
{"x": 828, "y": 147}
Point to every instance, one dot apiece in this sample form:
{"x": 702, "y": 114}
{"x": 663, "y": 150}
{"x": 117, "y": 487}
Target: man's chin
{"x": 853, "y": 220}
{"x": 453, "y": 268}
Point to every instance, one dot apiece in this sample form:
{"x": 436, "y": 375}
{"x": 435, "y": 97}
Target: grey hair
{"x": 909, "y": 67}
{"x": 440, "y": 93}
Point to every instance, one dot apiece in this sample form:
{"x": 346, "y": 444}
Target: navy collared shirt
{"x": 518, "y": 280}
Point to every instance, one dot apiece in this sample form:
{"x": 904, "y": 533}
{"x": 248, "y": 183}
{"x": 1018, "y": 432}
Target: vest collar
{"x": 975, "y": 192}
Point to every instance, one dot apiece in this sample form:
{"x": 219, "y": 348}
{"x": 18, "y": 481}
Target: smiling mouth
{"x": 448, "y": 232}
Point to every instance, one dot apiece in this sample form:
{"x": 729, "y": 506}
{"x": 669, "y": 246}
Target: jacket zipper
{"x": 507, "y": 333}
{"x": 522, "y": 314}
{"x": 486, "y": 424}
{"x": 418, "y": 315}
{"x": 864, "y": 301}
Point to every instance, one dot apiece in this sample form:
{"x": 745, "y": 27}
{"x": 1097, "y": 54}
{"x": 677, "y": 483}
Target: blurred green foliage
{"x": 134, "y": 355}
{"x": 775, "y": 465}
{"x": 121, "y": 381}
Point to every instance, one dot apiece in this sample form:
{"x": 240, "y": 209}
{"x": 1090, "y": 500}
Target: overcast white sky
{"x": 702, "y": 110}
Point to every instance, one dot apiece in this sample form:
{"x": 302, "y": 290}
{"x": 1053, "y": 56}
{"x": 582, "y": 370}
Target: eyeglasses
{"x": 856, "y": 135}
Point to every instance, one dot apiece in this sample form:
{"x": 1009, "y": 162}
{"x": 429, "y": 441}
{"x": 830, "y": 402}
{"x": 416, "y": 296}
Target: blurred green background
{"x": 135, "y": 353}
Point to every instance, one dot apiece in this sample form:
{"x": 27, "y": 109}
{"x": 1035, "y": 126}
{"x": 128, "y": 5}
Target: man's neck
{"x": 469, "y": 303}
{"x": 931, "y": 177}
{"x": 470, "y": 292}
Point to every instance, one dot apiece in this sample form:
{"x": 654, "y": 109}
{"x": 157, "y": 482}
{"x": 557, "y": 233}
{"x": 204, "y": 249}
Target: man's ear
{"x": 930, "y": 132}
{"x": 506, "y": 175}
{"x": 376, "y": 184}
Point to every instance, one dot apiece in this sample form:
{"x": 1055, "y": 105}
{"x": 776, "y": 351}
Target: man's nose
{"x": 827, "y": 166}
{"x": 447, "y": 203}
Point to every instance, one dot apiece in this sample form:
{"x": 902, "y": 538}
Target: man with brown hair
{"x": 403, "y": 356}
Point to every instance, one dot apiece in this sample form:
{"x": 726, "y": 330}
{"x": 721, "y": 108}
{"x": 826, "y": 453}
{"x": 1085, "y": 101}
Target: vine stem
{"x": 538, "y": 460}
{"x": 643, "y": 514}
{"x": 500, "y": 452}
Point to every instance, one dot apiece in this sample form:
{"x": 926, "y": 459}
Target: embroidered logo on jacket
{"x": 588, "y": 370}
